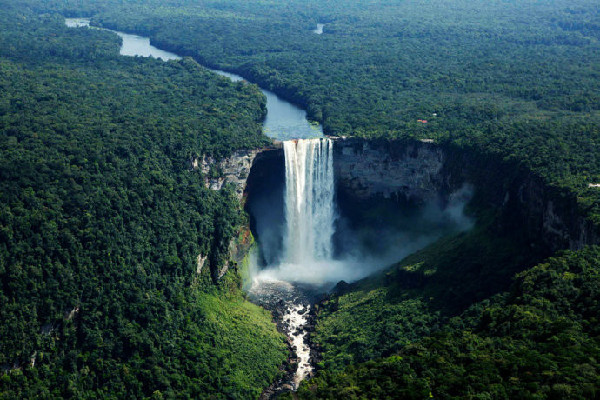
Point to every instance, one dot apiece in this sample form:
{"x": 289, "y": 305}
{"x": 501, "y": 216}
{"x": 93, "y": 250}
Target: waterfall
{"x": 309, "y": 203}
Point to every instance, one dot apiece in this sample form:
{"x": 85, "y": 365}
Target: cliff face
{"x": 420, "y": 172}
{"x": 550, "y": 214}
{"x": 234, "y": 169}
{"x": 389, "y": 169}
{"x": 423, "y": 171}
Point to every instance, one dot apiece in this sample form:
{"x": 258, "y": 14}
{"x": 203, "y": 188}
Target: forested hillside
{"x": 102, "y": 220}
{"x": 540, "y": 340}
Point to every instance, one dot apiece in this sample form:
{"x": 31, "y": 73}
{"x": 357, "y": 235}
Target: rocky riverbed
{"x": 291, "y": 305}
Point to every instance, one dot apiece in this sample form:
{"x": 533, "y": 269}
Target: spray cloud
{"x": 317, "y": 245}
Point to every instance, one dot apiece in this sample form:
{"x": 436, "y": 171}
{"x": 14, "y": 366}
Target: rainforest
{"x": 299, "y": 199}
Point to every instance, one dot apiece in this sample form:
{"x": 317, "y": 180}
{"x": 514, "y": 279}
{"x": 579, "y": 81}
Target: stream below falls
{"x": 291, "y": 307}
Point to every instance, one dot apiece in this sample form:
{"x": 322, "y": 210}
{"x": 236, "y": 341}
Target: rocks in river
{"x": 293, "y": 315}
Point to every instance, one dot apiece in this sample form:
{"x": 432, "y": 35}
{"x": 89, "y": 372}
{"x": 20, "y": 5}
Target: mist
{"x": 367, "y": 237}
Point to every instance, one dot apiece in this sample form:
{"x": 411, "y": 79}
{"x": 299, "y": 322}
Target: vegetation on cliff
{"x": 380, "y": 315}
{"x": 102, "y": 220}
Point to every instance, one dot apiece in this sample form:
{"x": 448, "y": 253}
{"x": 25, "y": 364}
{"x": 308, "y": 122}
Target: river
{"x": 284, "y": 121}
{"x": 289, "y": 303}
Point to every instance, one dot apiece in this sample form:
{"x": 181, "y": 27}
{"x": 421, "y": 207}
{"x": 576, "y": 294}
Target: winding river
{"x": 284, "y": 121}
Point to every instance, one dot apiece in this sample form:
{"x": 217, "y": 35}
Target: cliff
{"x": 234, "y": 170}
{"x": 389, "y": 169}
{"x": 422, "y": 171}
{"x": 418, "y": 173}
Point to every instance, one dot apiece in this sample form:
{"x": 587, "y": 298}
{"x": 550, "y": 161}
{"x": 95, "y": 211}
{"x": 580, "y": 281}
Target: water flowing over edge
{"x": 310, "y": 217}
{"x": 309, "y": 200}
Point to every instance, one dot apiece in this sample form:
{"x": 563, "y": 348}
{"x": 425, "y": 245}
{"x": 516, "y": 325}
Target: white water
{"x": 296, "y": 315}
{"x": 309, "y": 205}
{"x": 295, "y": 307}
{"x": 310, "y": 216}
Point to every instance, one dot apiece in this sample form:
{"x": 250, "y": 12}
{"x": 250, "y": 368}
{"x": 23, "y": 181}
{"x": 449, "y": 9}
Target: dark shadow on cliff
{"x": 264, "y": 203}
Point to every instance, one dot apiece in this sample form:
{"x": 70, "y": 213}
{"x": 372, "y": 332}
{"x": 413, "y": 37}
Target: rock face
{"x": 234, "y": 169}
{"x": 389, "y": 169}
{"x": 420, "y": 171}
{"x": 200, "y": 260}
{"x": 549, "y": 214}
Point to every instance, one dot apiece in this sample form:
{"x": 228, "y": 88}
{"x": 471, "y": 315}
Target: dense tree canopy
{"x": 540, "y": 340}
{"x": 517, "y": 79}
{"x": 102, "y": 220}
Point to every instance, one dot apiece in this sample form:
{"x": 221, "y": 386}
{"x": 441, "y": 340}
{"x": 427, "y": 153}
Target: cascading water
{"x": 309, "y": 228}
{"x": 309, "y": 200}
{"x": 302, "y": 261}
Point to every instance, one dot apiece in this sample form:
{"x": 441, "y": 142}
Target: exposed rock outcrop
{"x": 421, "y": 171}
{"x": 550, "y": 214}
{"x": 238, "y": 249}
{"x": 68, "y": 315}
{"x": 200, "y": 261}
{"x": 233, "y": 169}
{"x": 389, "y": 169}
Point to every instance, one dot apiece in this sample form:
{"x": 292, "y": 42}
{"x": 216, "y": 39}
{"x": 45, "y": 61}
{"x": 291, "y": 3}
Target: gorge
{"x": 283, "y": 121}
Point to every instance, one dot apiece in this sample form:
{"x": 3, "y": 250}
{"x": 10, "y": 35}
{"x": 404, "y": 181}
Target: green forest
{"x": 539, "y": 340}
{"x": 103, "y": 217}
{"x": 102, "y": 220}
